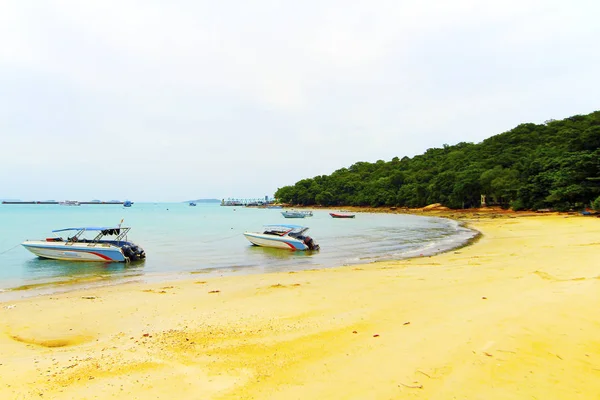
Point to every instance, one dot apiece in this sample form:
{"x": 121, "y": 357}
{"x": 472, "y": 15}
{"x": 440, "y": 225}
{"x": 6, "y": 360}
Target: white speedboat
{"x": 291, "y": 237}
{"x": 78, "y": 248}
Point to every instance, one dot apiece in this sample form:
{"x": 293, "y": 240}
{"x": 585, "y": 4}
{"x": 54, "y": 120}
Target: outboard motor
{"x": 133, "y": 252}
{"x": 128, "y": 252}
{"x": 310, "y": 243}
{"x": 139, "y": 253}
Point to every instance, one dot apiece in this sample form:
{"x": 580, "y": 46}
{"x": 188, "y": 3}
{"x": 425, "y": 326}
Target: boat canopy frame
{"x": 286, "y": 228}
{"x": 121, "y": 232}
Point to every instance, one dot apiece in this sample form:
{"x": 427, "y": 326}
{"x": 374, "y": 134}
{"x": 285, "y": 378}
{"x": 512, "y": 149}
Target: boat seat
{"x": 278, "y": 233}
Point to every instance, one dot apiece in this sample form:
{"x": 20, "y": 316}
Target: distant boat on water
{"x": 127, "y": 203}
{"x": 341, "y": 215}
{"x": 192, "y": 204}
{"x": 69, "y": 203}
{"x": 293, "y": 214}
{"x": 201, "y": 201}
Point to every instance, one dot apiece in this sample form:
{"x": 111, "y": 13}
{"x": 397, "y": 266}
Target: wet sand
{"x": 513, "y": 316}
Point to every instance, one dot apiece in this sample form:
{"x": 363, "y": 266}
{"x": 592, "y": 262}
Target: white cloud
{"x": 213, "y": 98}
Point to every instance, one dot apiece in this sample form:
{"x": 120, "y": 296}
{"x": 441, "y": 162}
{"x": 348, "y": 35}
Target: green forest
{"x": 553, "y": 165}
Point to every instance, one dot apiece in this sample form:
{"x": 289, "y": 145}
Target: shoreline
{"x": 510, "y": 316}
{"x": 437, "y": 210}
{"x": 62, "y": 284}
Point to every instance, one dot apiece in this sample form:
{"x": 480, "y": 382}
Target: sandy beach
{"x": 512, "y": 316}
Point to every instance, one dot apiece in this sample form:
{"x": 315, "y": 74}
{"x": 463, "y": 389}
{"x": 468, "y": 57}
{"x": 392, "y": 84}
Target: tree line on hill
{"x": 533, "y": 166}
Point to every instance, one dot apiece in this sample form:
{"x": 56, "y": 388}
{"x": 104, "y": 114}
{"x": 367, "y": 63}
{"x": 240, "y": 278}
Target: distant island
{"x": 203, "y": 201}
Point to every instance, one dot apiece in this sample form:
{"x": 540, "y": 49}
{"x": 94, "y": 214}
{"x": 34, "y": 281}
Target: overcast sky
{"x": 175, "y": 100}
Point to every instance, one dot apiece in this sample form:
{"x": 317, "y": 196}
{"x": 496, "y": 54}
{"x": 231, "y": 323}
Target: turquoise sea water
{"x": 179, "y": 240}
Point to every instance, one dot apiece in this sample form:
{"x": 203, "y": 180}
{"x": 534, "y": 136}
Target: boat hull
{"x": 278, "y": 242}
{"x": 334, "y": 215}
{"x": 293, "y": 214}
{"x": 75, "y": 252}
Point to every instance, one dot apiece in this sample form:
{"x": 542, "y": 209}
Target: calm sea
{"x": 208, "y": 239}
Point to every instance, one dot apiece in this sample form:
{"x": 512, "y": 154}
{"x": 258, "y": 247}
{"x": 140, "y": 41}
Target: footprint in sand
{"x": 544, "y": 275}
{"x": 52, "y": 342}
{"x": 279, "y": 285}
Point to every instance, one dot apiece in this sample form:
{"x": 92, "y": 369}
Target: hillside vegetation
{"x": 552, "y": 165}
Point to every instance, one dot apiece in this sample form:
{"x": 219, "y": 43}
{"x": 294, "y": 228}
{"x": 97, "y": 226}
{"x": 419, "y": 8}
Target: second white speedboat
{"x": 290, "y": 237}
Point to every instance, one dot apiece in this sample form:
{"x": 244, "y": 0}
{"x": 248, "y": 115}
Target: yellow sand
{"x": 514, "y": 316}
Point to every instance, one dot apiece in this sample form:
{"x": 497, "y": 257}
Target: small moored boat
{"x": 291, "y": 237}
{"x": 341, "y": 215}
{"x": 293, "y": 214}
{"x": 78, "y": 248}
